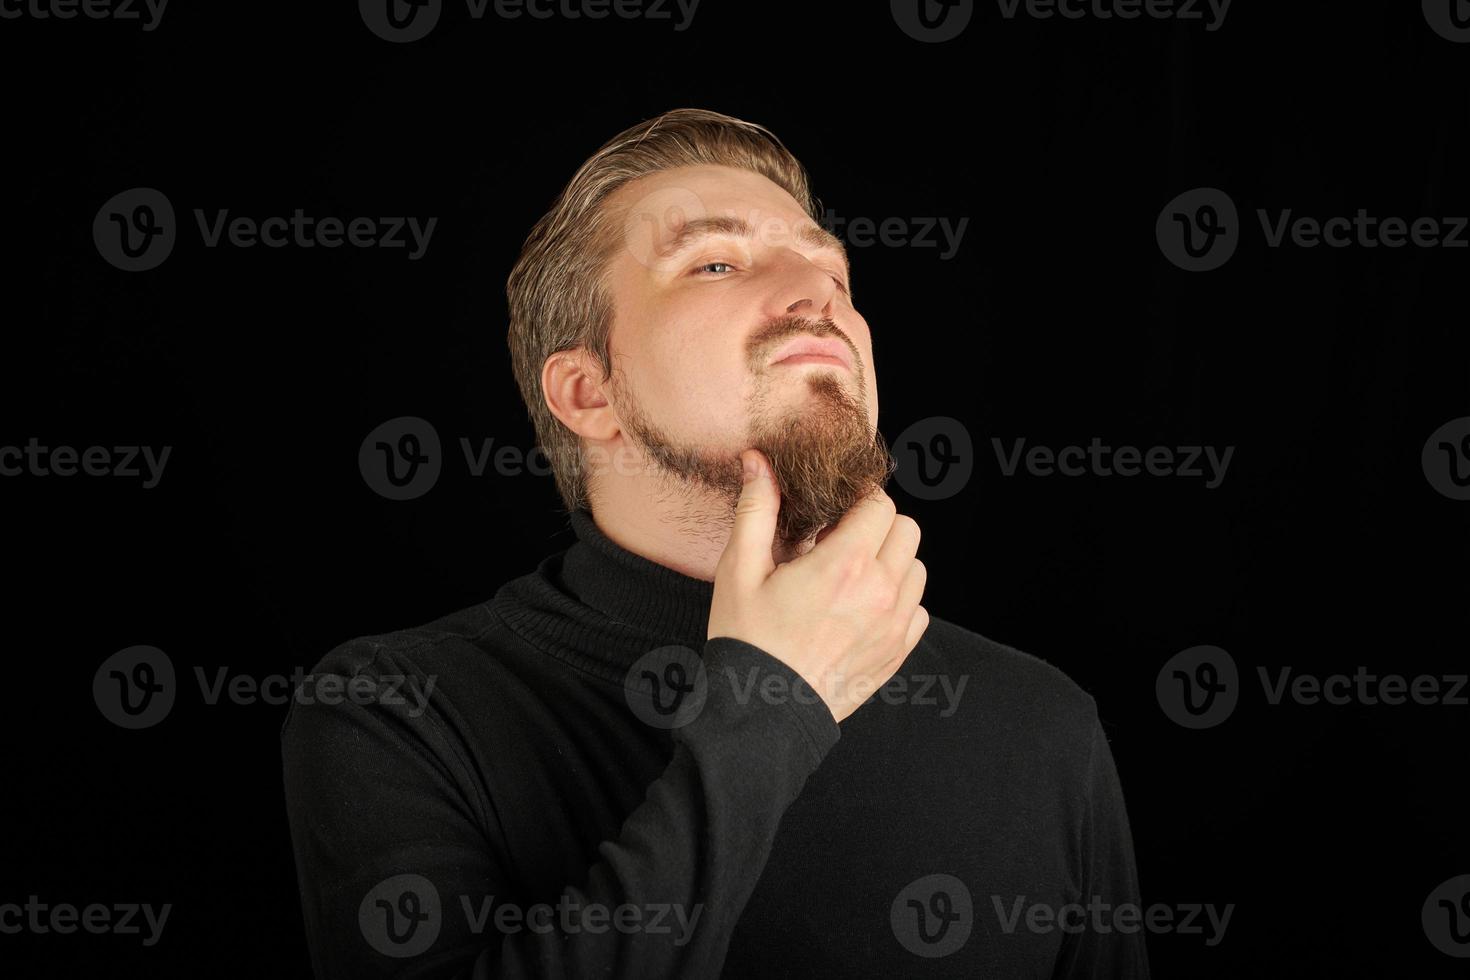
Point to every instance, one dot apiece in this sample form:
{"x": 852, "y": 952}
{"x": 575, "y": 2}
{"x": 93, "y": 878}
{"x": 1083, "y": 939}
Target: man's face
{"x": 720, "y": 273}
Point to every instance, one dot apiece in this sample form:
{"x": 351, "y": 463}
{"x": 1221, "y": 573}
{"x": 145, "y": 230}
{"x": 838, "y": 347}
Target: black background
{"x": 1059, "y": 319}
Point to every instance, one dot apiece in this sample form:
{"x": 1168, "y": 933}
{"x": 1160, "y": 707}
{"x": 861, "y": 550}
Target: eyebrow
{"x": 812, "y": 236}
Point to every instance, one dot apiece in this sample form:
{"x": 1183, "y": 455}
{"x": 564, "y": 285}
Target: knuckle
{"x": 911, "y": 526}
{"x": 848, "y": 567}
{"x": 885, "y": 594}
{"x": 883, "y": 589}
{"x": 852, "y": 574}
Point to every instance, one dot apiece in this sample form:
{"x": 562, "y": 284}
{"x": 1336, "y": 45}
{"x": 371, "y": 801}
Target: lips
{"x": 815, "y": 347}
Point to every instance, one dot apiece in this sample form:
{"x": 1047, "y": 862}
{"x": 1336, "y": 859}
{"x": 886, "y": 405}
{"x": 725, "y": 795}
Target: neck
{"x": 683, "y": 529}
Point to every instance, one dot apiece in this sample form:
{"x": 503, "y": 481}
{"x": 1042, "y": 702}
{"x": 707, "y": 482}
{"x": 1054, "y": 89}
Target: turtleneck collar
{"x": 629, "y": 588}
{"x": 601, "y": 607}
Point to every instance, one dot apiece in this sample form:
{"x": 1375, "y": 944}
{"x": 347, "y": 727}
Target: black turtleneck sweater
{"x": 501, "y": 793}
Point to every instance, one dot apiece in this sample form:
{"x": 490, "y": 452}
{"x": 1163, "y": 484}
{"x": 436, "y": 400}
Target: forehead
{"x": 719, "y": 189}
{"x": 662, "y": 211}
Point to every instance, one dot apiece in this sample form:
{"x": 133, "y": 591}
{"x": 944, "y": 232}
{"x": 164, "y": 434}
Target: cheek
{"x": 703, "y": 349}
{"x": 864, "y": 342}
{"x": 693, "y": 386}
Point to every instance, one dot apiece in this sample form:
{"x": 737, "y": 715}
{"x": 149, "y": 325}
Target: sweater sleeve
{"x": 1108, "y": 875}
{"x": 396, "y": 874}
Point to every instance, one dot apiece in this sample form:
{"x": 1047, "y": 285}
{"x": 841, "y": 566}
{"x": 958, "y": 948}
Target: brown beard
{"x": 824, "y": 455}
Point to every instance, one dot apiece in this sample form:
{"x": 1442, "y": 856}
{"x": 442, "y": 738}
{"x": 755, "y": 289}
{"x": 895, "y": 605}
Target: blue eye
{"x": 725, "y": 268}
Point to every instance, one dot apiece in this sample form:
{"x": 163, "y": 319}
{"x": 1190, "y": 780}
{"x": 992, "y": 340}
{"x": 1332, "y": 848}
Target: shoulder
{"x": 1006, "y": 682}
{"x": 373, "y": 708}
{"x": 389, "y": 683}
{"x": 419, "y": 651}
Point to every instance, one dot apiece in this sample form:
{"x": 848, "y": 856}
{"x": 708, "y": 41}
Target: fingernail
{"x": 751, "y": 467}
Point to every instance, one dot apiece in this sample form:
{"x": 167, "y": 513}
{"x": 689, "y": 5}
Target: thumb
{"x": 749, "y": 548}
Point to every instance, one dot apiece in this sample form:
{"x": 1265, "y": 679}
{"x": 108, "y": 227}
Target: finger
{"x": 918, "y": 623}
{"x": 900, "y": 546}
{"x": 917, "y": 626}
{"x": 863, "y": 528}
{"x": 747, "y": 555}
{"x": 911, "y": 590}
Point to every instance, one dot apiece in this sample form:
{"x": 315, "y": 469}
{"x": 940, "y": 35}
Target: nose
{"x": 800, "y": 287}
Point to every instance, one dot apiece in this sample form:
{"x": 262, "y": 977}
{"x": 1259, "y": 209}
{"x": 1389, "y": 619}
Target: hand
{"x": 845, "y": 614}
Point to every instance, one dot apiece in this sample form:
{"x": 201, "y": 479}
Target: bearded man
{"x": 719, "y": 735}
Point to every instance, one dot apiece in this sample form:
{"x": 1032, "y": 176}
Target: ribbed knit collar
{"x": 600, "y": 607}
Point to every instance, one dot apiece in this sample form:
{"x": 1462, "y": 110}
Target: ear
{"x": 574, "y": 393}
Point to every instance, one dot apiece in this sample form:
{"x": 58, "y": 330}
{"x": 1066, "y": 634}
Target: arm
{"x": 1107, "y": 872}
{"x": 374, "y": 794}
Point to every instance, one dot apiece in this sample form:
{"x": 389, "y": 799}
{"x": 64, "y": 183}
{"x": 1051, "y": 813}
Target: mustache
{"x": 767, "y": 338}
